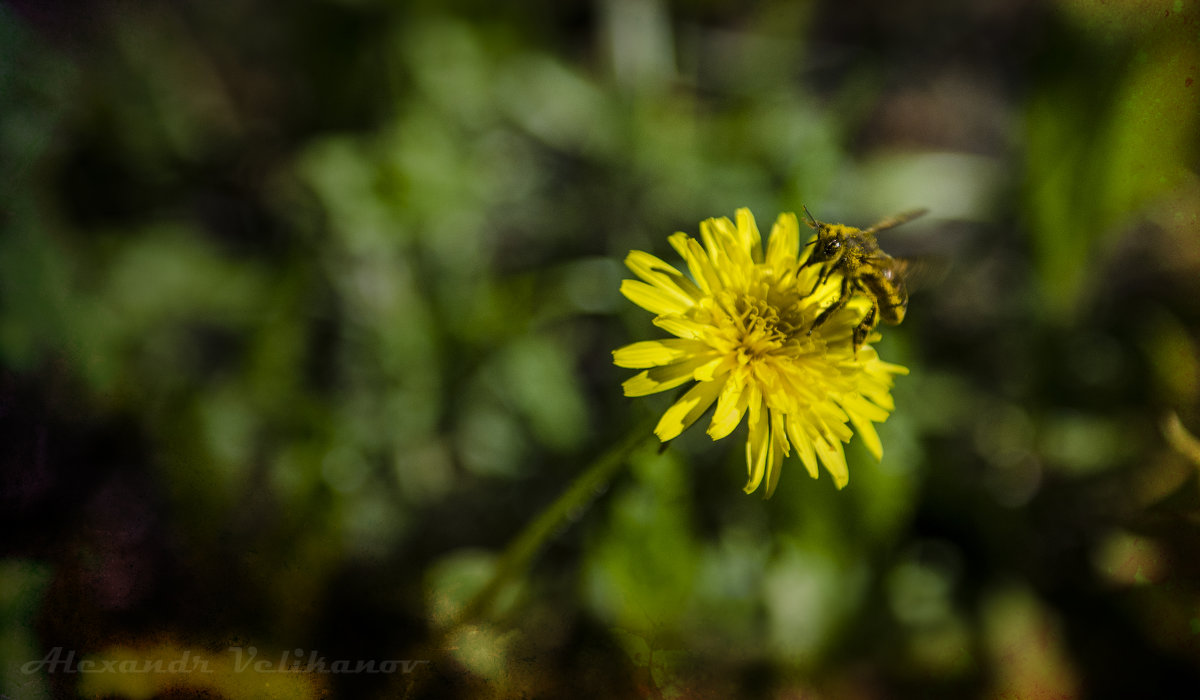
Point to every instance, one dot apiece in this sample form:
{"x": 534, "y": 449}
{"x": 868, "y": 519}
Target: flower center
{"x": 757, "y": 328}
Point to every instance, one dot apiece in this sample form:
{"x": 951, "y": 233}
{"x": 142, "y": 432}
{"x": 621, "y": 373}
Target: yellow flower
{"x": 742, "y": 325}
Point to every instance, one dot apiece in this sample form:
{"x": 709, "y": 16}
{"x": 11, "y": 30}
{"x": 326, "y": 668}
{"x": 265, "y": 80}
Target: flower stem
{"x": 520, "y": 552}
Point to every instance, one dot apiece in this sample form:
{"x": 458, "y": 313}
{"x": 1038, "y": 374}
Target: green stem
{"x": 520, "y": 552}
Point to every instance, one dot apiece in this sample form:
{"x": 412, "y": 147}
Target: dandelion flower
{"x": 742, "y": 323}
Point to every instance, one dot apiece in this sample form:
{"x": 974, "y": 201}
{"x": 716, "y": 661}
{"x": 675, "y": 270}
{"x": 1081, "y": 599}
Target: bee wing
{"x": 917, "y": 273}
{"x": 896, "y": 220}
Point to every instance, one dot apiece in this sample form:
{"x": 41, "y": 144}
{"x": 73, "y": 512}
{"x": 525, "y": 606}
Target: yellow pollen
{"x": 756, "y": 329}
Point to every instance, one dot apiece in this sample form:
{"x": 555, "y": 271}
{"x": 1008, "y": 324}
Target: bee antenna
{"x": 810, "y": 219}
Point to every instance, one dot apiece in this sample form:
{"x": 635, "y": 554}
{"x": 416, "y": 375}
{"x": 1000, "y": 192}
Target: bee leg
{"x": 863, "y": 328}
{"x": 820, "y": 278}
{"x": 832, "y": 308}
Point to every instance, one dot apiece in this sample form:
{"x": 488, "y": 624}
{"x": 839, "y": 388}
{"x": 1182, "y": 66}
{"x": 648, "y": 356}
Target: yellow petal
{"x": 831, "y": 421}
{"x": 681, "y": 327}
{"x": 679, "y": 241}
{"x": 648, "y": 267}
{"x": 715, "y": 255}
{"x": 661, "y": 275}
{"x": 729, "y": 257}
{"x": 748, "y": 235}
{"x": 784, "y": 244}
{"x": 686, "y": 410}
{"x": 730, "y": 254}
{"x": 855, "y": 403}
{"x": 771, "y": 382}
{"x": 834, "y": 459}
{"x": 803, "y": 444}
{"x": 718, "y": 365}
{"x": 757, "y": 448}
{"x": 655, "y": 353}
{"x": 735, "y": 398}
{"x": 870, "y": 438}
{"x": 801, "y": 390}
{"x": 698, "y": 263}
{"x": 642, "y": 383}
{"x": 658, "y": 379}
{"x": 779, "y": 450}
{"x": 880, "y": 396}
{"x": 655, "y": 299}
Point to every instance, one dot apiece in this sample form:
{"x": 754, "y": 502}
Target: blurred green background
{"x": 306, "y": 310}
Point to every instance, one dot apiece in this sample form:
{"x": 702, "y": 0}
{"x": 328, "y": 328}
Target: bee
{"x": 864, "y": 267}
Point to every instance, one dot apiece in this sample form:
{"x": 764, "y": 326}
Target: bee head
{"x": 827, "y": 247}
{"x": 828, "y": 244}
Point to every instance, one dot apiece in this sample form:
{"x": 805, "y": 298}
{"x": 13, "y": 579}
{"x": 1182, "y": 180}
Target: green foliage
{"x": 306, "y": 313}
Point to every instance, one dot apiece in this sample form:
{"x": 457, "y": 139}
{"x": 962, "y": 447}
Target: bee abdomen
{"x": 889, "y": 294}
{"x": 891, "y": 311}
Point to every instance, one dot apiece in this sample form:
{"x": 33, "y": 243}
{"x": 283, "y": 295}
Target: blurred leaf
{"x": 1104, "y": 145}
{"x": 641, "y": 568}
{"x": 540, "y": 381}
{"x": 1125, "y": 559}
{"x": 808, "y": 594}
{"x": 1027, "y": 647}
{"x": 1173, "y": 357}
{"x": 453, "y": 580}
{"x": 1179, "y": 437}
{"x": 1155, "y": 124}
{"x": 486, "y": 652}
{"x": 1080, "y": 444}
